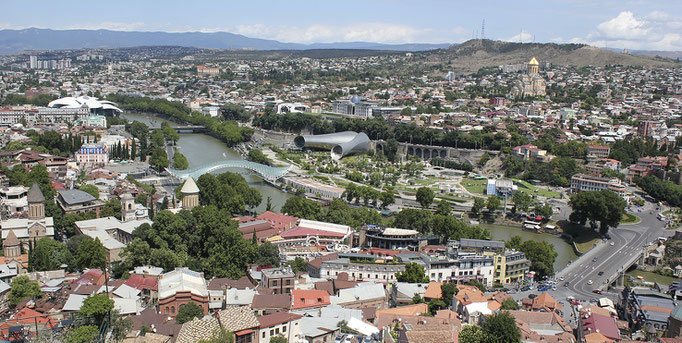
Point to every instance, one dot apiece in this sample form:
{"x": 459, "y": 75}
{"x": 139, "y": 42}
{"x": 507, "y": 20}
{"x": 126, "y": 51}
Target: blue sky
{"x": 633, "y": 24}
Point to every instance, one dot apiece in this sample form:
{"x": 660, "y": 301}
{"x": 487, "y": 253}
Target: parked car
{"x": 525, "y": 288}
{"x": 532, "y": 296}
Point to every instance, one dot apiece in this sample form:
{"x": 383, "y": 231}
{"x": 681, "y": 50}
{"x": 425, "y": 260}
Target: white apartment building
{"x": 586, "y": 183}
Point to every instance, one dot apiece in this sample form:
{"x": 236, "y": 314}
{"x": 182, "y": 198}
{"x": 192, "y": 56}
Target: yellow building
{"x": 509, "y": 267}
{"x": 531, "y": 83}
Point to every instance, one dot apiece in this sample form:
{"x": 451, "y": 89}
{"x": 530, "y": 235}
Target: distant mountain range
{"x": 47, "y": 39}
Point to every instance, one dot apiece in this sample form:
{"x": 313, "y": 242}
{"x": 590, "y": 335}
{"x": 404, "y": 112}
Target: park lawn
{"x": 583, "y": 238}
{"x": 629, "y": 219}
{"x": 653, "y": 277}
{"x": 540, "y": 191}
{"x": 475, "y": 186}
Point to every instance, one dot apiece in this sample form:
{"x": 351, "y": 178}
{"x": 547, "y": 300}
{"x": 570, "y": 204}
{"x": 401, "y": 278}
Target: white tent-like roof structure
{"x": 84, "y": 101}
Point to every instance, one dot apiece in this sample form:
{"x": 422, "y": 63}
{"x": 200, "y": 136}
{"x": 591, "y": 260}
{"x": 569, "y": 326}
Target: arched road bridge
{"x": 270, "y": 174}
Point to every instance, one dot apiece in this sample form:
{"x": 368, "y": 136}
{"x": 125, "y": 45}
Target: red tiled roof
{"x": 606, "y": 325}
{"x": 139, "y": 282}
{"x": 303, "y": 298}
{"x": 278, "y": 220}
{"x": 29, "y": 316}
{"x": 304, "y": 232}
{"x": 277, "y": 318}
{"x": 273, "y": 301}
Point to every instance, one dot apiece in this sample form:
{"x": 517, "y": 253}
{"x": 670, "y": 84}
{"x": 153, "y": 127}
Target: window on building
{"x": 288, "y": 282}
{"x": 277, "y": 331}
{"x": 284, "y": 328}
{"x": 272, "y": 332}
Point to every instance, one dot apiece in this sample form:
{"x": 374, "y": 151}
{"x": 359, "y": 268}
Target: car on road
{"x": 566, "y": 284}
{"x": 562, "y": 278}
{"x": 612, "y": 244}
{"x": 597, "y": 291}
{"x": 532, "y": 296}
{"x": 600, "y": 273}
{"x": 594, "y": 259}
{"x": 589, "y": 282}
{"x": 594, "y": 300}
{"x": 575, "y": 303}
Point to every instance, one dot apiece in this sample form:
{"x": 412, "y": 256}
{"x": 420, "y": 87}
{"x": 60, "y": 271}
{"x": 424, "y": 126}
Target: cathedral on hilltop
{"x": 531, "y": 83}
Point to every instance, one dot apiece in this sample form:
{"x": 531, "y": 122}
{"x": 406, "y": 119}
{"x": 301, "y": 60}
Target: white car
{"x": 612, "y": 244}
{"x": 589, "y": 282}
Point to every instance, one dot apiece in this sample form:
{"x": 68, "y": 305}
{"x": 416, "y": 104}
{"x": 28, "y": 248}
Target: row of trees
{"x": 227, "y": 131}
{"x": 123, "y": 152}
{"x": 368, "y": 195}
{"x": 466, "y": 166}
{"x": 379, "y": 129}
{"x": 53, "y": 142}
{"x": 78, "y": 253}
{"x": 446, "y": 227}
{"x": 661, "y": 190}
{"x": 338, "y": 212}
{"x": 557, "y": 172}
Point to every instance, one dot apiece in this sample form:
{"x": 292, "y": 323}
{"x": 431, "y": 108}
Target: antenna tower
{"x": 483, "y": 29}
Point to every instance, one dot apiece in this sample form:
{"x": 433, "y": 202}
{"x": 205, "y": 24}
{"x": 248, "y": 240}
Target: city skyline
{"x": 642, "y": 25}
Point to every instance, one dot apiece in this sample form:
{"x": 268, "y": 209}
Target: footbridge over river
{"x": 270, "y": 174}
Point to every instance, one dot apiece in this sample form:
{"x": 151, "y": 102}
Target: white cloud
{"x": 655, "y": 31}
{"x": 624, "y": 26}
{"x": 523, "y": 36}
{"x": 366, "y": 32}
{"x": 110, "y": 25}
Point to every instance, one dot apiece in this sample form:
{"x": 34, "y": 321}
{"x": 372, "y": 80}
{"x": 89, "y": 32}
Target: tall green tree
{"x": 23, "y": 288}
{"x": 493, "y": 204}
{"x": 301, "y": 207}
{"x": 413, "y": 273}
{"x": 91, "y": 254}
{"x": 82, "y": 334}
{"x": 522, "y": 201}
{"x": 425, "y": 196}
{"x": 605, "y": 207}
{"x": 479, "y": 203}
{"x": 180, "y": 161}
{"x": 473, "y": 334}
{"x": 501, "y": 327}
{"x": 48, "y": 254}
{"x": 187, "y": 312}
{"x": 96, "y": 307}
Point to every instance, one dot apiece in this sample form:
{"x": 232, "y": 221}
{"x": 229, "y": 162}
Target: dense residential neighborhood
{"x": 176, "y": 194}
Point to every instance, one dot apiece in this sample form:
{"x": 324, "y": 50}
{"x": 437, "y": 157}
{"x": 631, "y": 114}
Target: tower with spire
{"x": 190, "y": 194}
{"x": 36, "y": 203}
{"x": 127, "y": 208}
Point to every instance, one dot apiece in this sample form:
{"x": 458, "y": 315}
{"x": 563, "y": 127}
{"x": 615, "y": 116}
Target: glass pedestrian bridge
{"x": 270, "y": 174}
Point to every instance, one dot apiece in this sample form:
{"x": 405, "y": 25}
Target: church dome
{"x": 534, "y": 62}
{"x": 355, "y": 99}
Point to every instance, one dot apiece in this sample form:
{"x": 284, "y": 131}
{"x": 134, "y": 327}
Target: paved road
{"x": 610, "y": 256}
